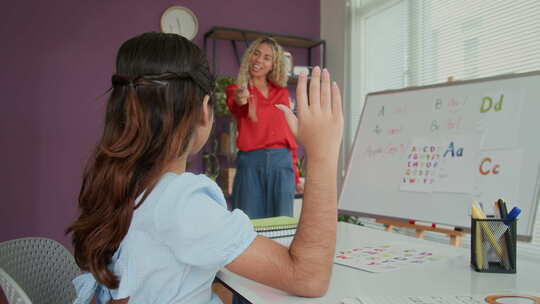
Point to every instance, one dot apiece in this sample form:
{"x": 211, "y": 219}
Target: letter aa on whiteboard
{"x": 457, "y": 169}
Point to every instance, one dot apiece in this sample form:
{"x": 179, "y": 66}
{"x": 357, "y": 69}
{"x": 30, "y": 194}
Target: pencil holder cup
{"x": 493, "y": 245}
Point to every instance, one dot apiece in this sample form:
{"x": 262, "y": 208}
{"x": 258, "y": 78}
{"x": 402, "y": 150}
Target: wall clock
{"x": 179, "y": 20}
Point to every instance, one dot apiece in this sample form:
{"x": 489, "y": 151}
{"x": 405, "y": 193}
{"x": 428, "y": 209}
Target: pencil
{"x": 478, "y": 214}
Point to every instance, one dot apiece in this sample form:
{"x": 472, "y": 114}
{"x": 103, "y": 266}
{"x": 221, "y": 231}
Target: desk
{"x": 449, "y": 277}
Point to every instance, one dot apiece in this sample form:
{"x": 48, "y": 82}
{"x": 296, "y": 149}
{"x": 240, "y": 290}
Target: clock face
{"x": 179, "y": 20}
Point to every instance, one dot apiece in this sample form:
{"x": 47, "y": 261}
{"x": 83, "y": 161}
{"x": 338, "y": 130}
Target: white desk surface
{"x": 449, "y": 277}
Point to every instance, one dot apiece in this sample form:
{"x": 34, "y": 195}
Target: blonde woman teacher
{"x": 266, "y": 174}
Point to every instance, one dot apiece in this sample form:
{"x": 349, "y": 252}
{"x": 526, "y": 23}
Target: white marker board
{"x": 426, "y": 153}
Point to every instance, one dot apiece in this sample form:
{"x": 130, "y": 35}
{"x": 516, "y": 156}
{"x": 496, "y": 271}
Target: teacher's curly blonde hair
{"x": 278, "y": 74}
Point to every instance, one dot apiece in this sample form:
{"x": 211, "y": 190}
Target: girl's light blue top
{"x": 177, "y": 241}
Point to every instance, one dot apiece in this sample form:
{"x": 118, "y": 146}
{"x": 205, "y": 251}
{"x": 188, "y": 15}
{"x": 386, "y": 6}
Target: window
{"x": 401, "y": 43}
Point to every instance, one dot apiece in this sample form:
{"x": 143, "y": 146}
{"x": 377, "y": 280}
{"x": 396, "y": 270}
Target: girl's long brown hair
{"x": 160, "y": 82}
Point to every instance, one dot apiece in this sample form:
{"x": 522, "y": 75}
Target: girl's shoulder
{"x": 182, "y": 187}
{"x": 187, "y": 182}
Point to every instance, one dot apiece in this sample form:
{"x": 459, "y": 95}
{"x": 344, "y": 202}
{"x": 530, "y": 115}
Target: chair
{"x": 37, "y": 270}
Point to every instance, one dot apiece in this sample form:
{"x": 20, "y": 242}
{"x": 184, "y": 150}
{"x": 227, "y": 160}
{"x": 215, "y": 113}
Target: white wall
{"x": 334, "y": 29}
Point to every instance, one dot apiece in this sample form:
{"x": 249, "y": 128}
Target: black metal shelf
{"x": 234, "y": 34}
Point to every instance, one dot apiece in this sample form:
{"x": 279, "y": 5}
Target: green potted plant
{"x": 211, "y": 162}
{"x": 221, "y": 84}
{"x": 227, "y": 136}
{"x": 300, "y": 165}
{"x": 349, "y": 219}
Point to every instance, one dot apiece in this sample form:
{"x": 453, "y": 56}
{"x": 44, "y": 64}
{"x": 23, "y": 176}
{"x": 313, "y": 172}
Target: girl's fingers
{"x": 336, "y": 100}
{"x": 315, "y": 89}
{"x": 301, "y": 93}
{"x": 326, "y": 98}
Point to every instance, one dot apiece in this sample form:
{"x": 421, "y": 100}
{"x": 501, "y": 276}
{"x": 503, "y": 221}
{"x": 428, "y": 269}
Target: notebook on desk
{"x": 276, "y": 227}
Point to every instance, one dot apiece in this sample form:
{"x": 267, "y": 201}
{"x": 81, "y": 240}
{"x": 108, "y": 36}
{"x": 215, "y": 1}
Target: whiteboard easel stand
{"x": 455, "y": 236}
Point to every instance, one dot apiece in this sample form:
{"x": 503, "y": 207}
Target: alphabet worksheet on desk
{"x": 390, "y": 256}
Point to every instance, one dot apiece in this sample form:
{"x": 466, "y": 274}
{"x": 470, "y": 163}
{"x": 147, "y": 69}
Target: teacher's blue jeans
{"x": 264, "y": 183}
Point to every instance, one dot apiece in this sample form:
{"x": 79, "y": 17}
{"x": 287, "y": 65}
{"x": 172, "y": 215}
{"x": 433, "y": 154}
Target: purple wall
{"x": 56, "y": 61}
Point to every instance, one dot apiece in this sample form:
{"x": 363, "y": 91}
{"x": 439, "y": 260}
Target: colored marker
{"x": 512, "y": 215}
{"x": 424, "y": 224}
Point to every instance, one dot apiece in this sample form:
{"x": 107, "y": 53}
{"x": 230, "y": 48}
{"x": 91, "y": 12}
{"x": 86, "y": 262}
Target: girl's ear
{"x": 206, "y": 112}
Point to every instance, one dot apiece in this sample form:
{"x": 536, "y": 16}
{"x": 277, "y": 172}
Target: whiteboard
{"x": 426, "y": 153}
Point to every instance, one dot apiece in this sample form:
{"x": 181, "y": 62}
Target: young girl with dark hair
{"x": 150, "y": 232}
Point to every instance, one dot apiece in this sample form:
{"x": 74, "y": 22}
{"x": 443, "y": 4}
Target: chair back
{"x": 37, "y": 270}
{"x": 12, "y": 290}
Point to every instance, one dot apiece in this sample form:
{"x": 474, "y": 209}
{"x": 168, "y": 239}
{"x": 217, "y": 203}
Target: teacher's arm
{"x": 237, "y": 105}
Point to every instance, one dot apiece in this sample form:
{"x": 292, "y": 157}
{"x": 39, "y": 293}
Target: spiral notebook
{"x": 276, "y": 227}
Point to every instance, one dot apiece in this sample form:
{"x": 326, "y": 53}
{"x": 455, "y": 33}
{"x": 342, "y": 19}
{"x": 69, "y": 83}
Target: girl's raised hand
{"x": 319, "y": 124}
